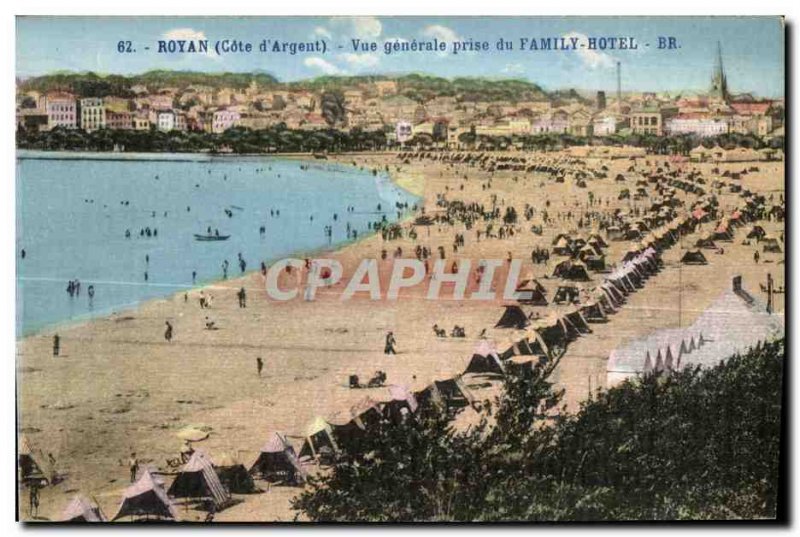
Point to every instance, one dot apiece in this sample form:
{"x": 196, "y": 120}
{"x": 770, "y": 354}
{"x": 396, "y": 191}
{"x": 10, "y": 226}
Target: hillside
{"x": 415, "y": 86}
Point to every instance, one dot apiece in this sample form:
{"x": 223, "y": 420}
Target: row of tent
{"x": 733, "y": 323}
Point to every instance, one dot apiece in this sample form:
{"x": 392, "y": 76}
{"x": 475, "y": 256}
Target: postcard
{"x": 400, "y": 269}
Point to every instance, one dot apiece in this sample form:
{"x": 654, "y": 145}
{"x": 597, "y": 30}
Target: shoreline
{"x": 116, "y": 311}
{"x": 165, "y": 156}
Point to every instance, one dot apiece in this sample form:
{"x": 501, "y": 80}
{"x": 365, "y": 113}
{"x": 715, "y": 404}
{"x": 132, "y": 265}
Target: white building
{"x": 165, "y": 120}
{"x": 224, "y": 120}
{"x": 61, "y": 111}
{"x": 93, "y": 114}
{"x": 699, "y": 124}
{"x": 604, "y": 125}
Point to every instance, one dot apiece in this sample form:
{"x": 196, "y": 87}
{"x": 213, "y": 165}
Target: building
{"x": 225, "y": 119}
{"x": 93, "y": 114}
{"x": 32, "y": 119}
{"x": 647, "y": 121}
{"x": 61, "y": 109}
{"x": 140, "y": 123}
{"x": 696, "y": 123}
{"x": 601, "y": 100}
{"x": 604, "y": 125}
{"x": 556, "y": 122}
{"x": 719, "y": 82}
{"x": 581, "y": 123}
{"x": 119, "y": 120}
{"x": 165, "y": 120}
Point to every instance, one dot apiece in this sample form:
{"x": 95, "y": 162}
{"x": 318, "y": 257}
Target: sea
{"x": 74, "y": 212}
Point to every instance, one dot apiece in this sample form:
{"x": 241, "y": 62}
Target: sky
{"x": 753, "y": 48}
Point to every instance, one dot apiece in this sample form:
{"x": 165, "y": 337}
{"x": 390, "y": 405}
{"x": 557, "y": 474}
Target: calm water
{"x": 72, "y": 218}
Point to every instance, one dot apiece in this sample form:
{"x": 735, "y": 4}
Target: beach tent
{"x": 278, "y": 463}
{"x": 33, "y": 464}
{"x": 596, "y": 238}
{"x": 594, "y": 312}
{"x": 706, "y": 242}
{"x": 198, "y": 479}
{"x": 577, "y": 319}
{"x": 233, "y": 475}
{"x": 571, "y": 270}
{"x": 513, "y": 317}
{"x": 597, "y": 263}
{"x": 771, "y": 244}
{"x": 485, "y": 360}
{"x": 366, "y": 413}
{"x": 319, "y": 439}
{"x": 562, "y": 247}
{"x": 694, "y": 257}
{"x": 402, "y": 403}
{"x": 566, "y": 292}
{"x": 535, "y": 293}
{"x": 145, "y": 500}
{"x": 82, "y": 509}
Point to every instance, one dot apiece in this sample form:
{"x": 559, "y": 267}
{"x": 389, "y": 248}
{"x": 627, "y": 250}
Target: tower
{"x": 619, "y": 84}
{"x": 719, "y": 84}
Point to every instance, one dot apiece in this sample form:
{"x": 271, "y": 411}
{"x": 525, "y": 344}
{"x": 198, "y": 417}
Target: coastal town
{"x": 407, "y": 116}
{"x": 643, "y": 234}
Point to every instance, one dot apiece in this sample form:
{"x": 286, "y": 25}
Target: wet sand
{"x": 119, "y": 387}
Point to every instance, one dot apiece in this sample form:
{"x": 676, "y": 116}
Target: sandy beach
{"x": 119, "y": 387}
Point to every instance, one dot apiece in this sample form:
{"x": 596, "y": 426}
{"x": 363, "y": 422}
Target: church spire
{"x": 719, "y": 84}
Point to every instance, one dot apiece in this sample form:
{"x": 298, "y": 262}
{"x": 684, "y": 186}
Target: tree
{"x": 333, "y": 108}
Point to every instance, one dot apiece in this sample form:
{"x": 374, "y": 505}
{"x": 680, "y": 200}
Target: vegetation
{"x": 95, "y": 85}
{"x": 688, "y": 445}
{"x": 415, "y": 86}
{"x": 279, "y": 139}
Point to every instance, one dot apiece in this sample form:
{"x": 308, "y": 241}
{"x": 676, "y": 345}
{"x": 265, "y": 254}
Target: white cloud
{"x": 321, "y": 31}
{"x": 514, "y": 68}
{"x": 593, "y": 59}
{"x": 326, "y": 67}
{"x": 360, "y": 61}
{"x": 364, "y": 27}
{"x": 190, "y": 34}
{"x": 442, "y": 33}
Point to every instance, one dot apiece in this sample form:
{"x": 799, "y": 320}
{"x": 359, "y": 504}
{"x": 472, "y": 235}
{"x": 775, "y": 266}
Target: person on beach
{"x": 259, "y": 365}
{"x": 33, "y": 507}
{"x": 242, "y": 296}
{"x": 390, "y": 343}
{"x": 133, "y": 466}
{"x": 56, "y": 345}
{"x": 168, "y": 332}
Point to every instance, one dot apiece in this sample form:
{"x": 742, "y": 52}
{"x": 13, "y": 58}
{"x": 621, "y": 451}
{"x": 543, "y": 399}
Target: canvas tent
{"x": 278, "y": 463}
{"x": 402, "y": 403}
{"x": 534, "y": 293}
{"x": 33, "y": 464}
{"x": 82, "y": 509}
{"x": 319, "y": 439}
{"x": 145, "y": 500}
{"x": 485, "y": 360}
{"x": 198, "y": 479}
{"x": 233, "y": 475}
{"x": 514, "y": 316}
{"x": 694, "y": 257}
{"x": 771, "y": 245}
{"x": 757, "y": 232}
{"x": 571, "y": 270}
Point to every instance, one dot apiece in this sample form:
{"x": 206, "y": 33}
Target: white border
{"x": 314, "y": 7}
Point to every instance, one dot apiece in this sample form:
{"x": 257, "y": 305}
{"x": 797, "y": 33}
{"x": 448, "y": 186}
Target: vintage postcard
{"x": 400, "y": 269}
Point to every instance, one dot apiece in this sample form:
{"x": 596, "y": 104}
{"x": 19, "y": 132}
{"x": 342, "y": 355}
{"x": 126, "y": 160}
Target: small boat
{"x": 211, "y": 237}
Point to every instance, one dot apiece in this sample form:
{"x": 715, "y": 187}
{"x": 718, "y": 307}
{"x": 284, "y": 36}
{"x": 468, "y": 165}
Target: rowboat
{"x": 211, "y": 237}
